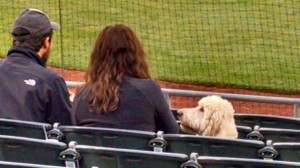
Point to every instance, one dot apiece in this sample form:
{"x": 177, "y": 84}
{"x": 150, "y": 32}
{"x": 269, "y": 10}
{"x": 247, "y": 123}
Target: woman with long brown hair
{"x": 118, "y": 90}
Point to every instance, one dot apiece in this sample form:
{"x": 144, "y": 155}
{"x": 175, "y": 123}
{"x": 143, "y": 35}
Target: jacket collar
{"x": 27, "y": 54}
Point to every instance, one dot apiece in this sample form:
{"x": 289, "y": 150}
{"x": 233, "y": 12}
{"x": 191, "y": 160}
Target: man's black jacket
{"x": 29, "y": 91}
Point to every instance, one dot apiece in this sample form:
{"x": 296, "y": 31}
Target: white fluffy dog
{"x": 214, "y": 116}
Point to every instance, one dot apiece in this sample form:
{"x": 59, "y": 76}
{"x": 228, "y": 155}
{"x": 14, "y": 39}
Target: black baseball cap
{"x": 33, "y": 23}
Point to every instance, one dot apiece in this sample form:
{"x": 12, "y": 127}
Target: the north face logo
{"x": 30, "y": 82}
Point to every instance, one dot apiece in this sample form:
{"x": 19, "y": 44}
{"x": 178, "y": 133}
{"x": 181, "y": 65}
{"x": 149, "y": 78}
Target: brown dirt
{"x": 184, "y": 102}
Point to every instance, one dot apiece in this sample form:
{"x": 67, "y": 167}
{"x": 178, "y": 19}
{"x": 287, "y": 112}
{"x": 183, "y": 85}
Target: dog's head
{"x": 190, "y": 119}
{"x": 210, "y": 118}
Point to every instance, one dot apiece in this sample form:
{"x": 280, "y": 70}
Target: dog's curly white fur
{"x": 214, "y": 116}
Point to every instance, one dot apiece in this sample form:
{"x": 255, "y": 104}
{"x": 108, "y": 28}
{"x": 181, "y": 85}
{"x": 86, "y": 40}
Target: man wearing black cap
{"x": 28, "y": 90}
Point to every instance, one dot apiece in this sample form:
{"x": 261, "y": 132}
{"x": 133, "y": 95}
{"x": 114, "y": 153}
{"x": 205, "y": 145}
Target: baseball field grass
{"x": 227, "y": 43}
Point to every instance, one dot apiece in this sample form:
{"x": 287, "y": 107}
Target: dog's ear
{"x": 211, "y": 122}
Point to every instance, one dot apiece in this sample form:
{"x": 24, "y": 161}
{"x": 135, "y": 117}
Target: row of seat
{"x": 150, "y": 141}
{"x": 175, "y": 143}
{"x": 24, "y": 128}
{"x": 130, "y": 139}
{"x": 120, "y": 143}
{"x": 262, "y": 120}
{"x": 83, "y": 156}
{"x": 269, "y": 127}
{"x": 267, "y": 121}
{"x": 26, "y": 152}
{"x": 29, "y": 150}
{"x": 5, "y": 164}
{"x": 274, "y": 134}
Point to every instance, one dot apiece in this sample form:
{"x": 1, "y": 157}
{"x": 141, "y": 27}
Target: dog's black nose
{"x": 179, "y": 113}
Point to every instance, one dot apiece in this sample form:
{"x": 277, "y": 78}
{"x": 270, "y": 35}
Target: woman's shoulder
{"x": 147, "y": 87}
{"x": 142, "y": 83}
{"x": 82, "y": 90}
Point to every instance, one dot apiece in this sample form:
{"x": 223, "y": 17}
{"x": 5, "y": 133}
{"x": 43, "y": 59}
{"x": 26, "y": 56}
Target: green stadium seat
{"x": 243, "y": 131}
{"x": 24, "y": 128}
{"x": 269, "y": 121}
{"x": 29, "y": 150}
{"x": 283, "y": 151}
{"x": 207, "y": 146}
{"x": 84, "y": 156}
{"x": 255, "y": 134}
{"x": 4, "y": 164}
{"x": 106, "y": 137}
{"x": 229, "y": 162}
{"x": 275, "y": 134}
{"x": 280, "y": 135}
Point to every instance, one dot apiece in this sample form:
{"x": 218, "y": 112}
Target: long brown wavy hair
{"x": 117, "y": 52}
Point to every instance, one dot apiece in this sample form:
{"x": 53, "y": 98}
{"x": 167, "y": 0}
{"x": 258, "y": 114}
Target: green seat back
{"x": 108, "y": 137}
{"x": 222, "y": 162}
{"x": 212, "y": 146}
{"x": 23, "y": 128}
{"x": 28, "y": 150}
{"x": 116, "y": 158}
{"x": 269, "y": 121}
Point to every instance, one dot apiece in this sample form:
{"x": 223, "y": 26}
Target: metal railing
{"x": 239, "y": 97}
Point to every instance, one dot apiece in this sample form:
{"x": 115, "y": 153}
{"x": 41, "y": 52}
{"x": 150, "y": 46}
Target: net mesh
{"x": 223, "y": 43}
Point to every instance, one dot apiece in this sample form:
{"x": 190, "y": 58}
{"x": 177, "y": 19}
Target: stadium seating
{"x": 280, "y": 135}
{"x": 29, "y": 150}
{"x": 4, "y": 164}
{"x": 196, "y": 161}
{"x": 243, "y": 131}
{"x": 207, "y": 146}
{"x": 24, "y": 128}
{"x": 107, "y": 137}
{"x": 229, "y": 162}
{"x": 274, "y": 134}
{"x": 255, "y": 134}
{"x": 284, "y": 151}
{"x": 83, "y": 156}
{"x": 269, "y": 121}
{"x": 287, "y": 151}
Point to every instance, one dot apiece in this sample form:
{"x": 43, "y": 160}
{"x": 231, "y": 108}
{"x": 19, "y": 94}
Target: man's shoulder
{"x": 24, "y": 67}
{"x": 42, "y": 72}
{"x": 44, "y": 76}
{"x": 49, "y": 73}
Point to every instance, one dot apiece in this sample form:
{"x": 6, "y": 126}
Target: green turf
{"x": 228, "y": 43}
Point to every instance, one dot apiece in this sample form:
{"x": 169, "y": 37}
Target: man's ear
{"x": 46, "y": 43}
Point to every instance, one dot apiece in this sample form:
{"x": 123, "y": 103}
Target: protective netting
{"x": 229, "y": 43}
